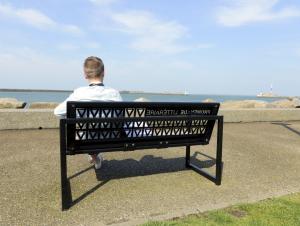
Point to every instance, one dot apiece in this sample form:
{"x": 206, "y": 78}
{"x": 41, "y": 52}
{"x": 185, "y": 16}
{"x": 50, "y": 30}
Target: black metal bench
{"x": 94, "y": 127}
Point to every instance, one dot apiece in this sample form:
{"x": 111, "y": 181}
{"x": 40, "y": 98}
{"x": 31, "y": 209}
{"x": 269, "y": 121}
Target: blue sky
{"x": 204, "y": 47}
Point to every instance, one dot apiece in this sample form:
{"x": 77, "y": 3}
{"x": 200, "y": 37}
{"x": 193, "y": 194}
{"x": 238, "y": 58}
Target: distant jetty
{"x": 34, "y": 90}
{"x": 153, "y": 93}
{"x": 270, "y": 95}
{"x": 68, "y": 91}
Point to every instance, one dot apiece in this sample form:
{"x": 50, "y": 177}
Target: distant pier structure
{"x": 268, "y": 94}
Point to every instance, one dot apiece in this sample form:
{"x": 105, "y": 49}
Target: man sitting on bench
{"x": 95, "y": 91}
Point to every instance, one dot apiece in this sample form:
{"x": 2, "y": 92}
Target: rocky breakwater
{"x": 285, "y": 103}
{"x": 11, "y": 103}
{"x": 141, "y": 99}
{"x": 43, "y": 105}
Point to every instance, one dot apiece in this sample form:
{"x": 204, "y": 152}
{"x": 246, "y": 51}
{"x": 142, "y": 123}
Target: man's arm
{"x": 118, "y": 96}
{"x": 61, "y": 109}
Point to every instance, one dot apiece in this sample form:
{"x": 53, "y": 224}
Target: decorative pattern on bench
{"x": 138, "y": 128}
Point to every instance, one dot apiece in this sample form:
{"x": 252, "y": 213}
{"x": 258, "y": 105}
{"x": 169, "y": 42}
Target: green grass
{"x": 278, "y": 211}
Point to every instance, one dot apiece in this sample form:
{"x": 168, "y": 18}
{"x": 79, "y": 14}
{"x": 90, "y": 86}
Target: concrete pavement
{"x": 261, "y": 160}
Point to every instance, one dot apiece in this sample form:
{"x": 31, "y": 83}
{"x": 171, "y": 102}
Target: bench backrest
{"x": 136, "y": 125}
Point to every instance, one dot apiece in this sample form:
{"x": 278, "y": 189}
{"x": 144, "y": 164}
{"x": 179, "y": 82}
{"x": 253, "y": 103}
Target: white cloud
{"x": 37, "y": 69}
{"x": 144, "y": 72}
{"x": 68, "y": 47}
{"x": 36, "y": 19}
{"x": 70, "y": 28}
{"x": 240, "y": 12}
{"x": 205, "y": 46}
{"x": 73, "y": 47}
{"x": 103, "y": 2}
{"x": 28, "y": 16}
{"x": 150, "y": 33}
{"x": 92, "y": 45}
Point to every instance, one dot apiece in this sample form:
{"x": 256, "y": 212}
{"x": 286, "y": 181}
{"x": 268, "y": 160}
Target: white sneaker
{"x": 98, "y": 162}
{"x": 91, "y": 160}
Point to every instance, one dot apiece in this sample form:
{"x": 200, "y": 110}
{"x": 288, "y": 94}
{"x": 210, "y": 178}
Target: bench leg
{"x": 219, "y": 164}
{"x": 187, "y": 156}
{"x": 65, "y": 186}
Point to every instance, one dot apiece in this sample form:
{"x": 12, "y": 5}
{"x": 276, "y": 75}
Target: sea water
{"x": 38, "y": 96}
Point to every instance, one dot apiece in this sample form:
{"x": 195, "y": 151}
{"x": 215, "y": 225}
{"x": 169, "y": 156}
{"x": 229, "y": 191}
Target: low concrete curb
{"x": 44, "y": 118}
{"x": 28, "y": 119}
{"x": 260, "y": 115}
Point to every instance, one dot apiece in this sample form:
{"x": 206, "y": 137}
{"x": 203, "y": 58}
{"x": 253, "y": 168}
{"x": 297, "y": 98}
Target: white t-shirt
{"x": 89, "y": 93}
